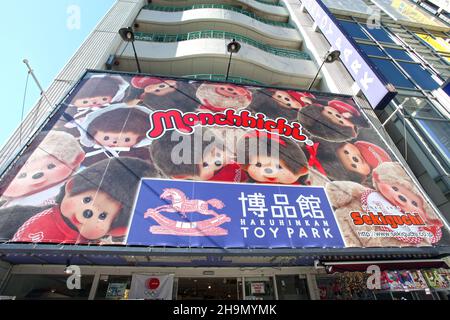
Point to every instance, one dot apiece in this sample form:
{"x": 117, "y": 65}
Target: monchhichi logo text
{"x": 394, "y": 221}
{"x": 172, "y": 119}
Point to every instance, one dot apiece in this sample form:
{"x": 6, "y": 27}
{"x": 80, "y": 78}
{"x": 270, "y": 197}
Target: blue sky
{"x": 38, "y": 31}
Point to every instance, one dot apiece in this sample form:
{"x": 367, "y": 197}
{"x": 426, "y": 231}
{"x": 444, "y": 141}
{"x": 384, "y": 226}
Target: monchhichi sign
{"x": 156, "y": 161}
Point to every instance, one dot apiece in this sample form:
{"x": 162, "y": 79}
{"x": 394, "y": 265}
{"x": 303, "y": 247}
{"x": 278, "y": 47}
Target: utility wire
{"x": 23, "y": 106}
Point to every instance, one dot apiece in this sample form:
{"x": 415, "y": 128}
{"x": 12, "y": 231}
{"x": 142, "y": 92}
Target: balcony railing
{"x": 269, "y": 2}
{"x": 215, "y": 34}
{"x": 222, "y": 77}
{"x": 218, "y": 6}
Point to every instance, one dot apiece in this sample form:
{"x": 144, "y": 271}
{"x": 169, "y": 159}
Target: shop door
{"x": 259, "y": 288}
{"x": 291, "y": 287}
{"x": 207, "y": 289}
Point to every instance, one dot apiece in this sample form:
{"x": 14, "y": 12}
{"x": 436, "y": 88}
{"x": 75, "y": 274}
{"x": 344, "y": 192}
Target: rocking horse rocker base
{"x": 181, "y": 205}
{"x": 202, "y": 228}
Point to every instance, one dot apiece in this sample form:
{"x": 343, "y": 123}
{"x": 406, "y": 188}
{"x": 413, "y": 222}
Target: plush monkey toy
{"x": 163, "y": 94}
{"x": 268, "y": 158}
{"x": 394, "y": 194}
{"x": 279, "y": 103}
{"x": 335, "y": 122}
{"x": 201, "y": 155}
{"x": 348, "y": 161}
{"x": 217, "y": 97}
{"x": 43, "y": 170}
{"x": 95, "y": 93}
{"x": 93, "y": 204}
{"x": 116, "y": 131}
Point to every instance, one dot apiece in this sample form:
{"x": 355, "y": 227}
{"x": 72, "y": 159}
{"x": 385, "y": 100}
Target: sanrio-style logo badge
{"x": 182, "y": 205}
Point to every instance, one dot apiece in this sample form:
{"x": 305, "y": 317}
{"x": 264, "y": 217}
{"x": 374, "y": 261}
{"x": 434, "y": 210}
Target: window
{"x": 354, "y": 29}
{"x": 392, "y": 73}
{"x": 399, "y": 54}
{"x": 421, "y": 76}
{"x": 381, "y": 35}
{"x": 372, "y": 50}
{"x": 46, "y": 287}
{"x": 438, "y": 133}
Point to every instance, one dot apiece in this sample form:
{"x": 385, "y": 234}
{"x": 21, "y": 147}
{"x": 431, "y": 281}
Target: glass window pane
{"x": 399, "y": 54}
{"x": 208, "y": 289}
{"x": 420, "y": 75}
{"x": 292, "y": 288}
{"x": 113, "y": 287}
{"x": 372, "y": 50}
{"x": 439, "y": 134}
{"x": 259, "y": 288}
{"x": 419, "y": 107}
{"x": 46, "y": 287}
{"x": 380, "y": 35}
{"x": 392, "y": 73}
{"x": 354, "y": 30}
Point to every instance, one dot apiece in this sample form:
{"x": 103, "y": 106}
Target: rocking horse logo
{"x": 182, "y": 205}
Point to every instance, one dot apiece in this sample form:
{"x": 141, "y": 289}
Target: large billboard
{"x": 155, "y": 161}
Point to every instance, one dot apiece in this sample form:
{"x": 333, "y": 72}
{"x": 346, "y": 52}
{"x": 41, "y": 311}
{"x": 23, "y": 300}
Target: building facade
{"x": 405, "y": 51}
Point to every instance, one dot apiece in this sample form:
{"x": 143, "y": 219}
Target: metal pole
{"x": 136, "y": 57}
{"x": 317, "y": 74}
{"x": 229, "y": 64}
{"x": 37, "y": 81}
{"x": 396, "y": 110}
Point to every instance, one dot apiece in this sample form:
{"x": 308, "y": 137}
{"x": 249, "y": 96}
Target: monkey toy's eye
{"x": 103, "y": 216}
{"x": 22, "y": 176}
{"x": 127, "y": 139}
{"x": 51, "y": 166}
{"x": 394, "y": 188}
{"x": 105, "y": 99}
{"x": 87, "y": 200}
{"x": 415, "y": 204}
{"x": 205, "y": 164}
{"x": 259, "y": 165}
{"x": 279, "y": 167}
{"x": 85, "y": 102}
{"x": 106, "y": 138}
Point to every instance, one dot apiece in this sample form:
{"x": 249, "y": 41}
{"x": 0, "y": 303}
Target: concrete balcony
{"x": 154, "y": 21}
{"x": 210, "y": 56}
{"x": 266, "y": 9}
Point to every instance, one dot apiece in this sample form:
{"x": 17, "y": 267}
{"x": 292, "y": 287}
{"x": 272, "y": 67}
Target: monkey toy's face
{"x": 92, "y": 102}
{"x": 265, "y": 169}
{"x": 39, "y": 173}
{"x": 117, "y": 139}
{"x": 212, "y": 162}
{"x": 285, "y": 100}
{"x": 402, "y": 197}
{"x": 336, "y": 117}
{"x": 162, "y": 88}
{"x": 91, "y": 213}
{"x": 352, "y": 160}
{"x": 218, "y": 97}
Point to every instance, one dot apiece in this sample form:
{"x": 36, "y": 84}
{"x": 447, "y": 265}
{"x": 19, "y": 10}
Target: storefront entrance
{"x": 208, "y": 289}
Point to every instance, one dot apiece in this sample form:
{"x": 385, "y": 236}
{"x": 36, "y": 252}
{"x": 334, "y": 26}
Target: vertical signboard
{"x": 374, "y": 86}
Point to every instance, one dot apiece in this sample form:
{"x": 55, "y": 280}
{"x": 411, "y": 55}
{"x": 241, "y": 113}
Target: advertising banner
{"x": 156, "y": 161}
{"x": 410, "y": 13}
{"x": 205, "y": 214}
{"x": 378, "y": 91}
{"x": 441, "y": 45}
{"x": 151, "y": 287}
